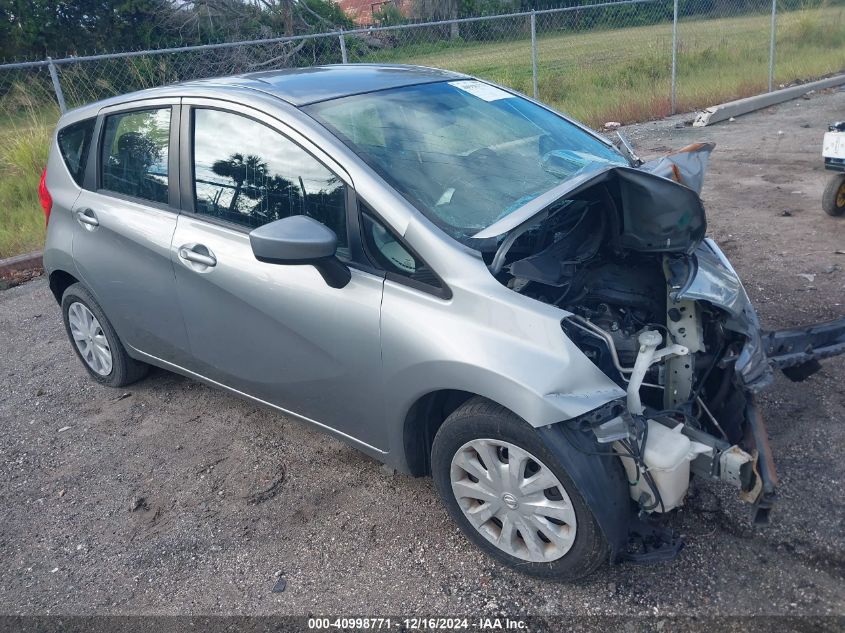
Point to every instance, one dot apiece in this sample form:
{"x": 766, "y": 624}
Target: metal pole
{"x": 343, "y": 48}
{"x": 56, "y": 85}
{"x": 772, "y": 46}
{"x": 534, "y": 53}
{"x": 674, "y": 56}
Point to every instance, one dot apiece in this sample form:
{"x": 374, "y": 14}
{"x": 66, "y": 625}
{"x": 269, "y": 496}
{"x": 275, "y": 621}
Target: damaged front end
{"x": 660, "y": 310}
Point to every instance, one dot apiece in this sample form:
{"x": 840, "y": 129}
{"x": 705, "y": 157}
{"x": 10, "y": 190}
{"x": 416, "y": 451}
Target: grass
{"x": 625, "y": 74}
{"x": 596, "y": 76}
{"x": 24, "y": 143}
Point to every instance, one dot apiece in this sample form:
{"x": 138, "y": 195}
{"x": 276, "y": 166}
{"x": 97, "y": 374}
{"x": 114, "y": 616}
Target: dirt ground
{"x": 170, "y": 497}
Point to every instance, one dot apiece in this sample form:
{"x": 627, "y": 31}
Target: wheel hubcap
{"x": 90, "y": 339}
{"x": 840, "y": 196}
{"x": 514, "y": 500}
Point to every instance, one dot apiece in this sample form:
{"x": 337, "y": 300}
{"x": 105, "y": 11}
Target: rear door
{"x": 126, "y": 216}
{"x": 278, "y": 333}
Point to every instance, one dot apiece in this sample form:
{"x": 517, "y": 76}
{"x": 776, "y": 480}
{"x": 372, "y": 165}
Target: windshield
{"x": 465, "y": 153}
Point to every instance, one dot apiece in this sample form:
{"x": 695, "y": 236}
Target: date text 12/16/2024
{"x": 418, "y": 624}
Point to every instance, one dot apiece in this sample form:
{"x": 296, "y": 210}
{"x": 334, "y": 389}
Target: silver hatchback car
{"x": 451, "y": 277}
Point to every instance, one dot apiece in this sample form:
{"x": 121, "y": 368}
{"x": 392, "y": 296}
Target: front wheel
{"x": 833, "y": 199}
{"x": 511, "y": 496}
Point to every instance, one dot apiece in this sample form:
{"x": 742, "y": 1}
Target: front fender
{"x": 517, "y": 393}
{"x": 514, "y": 353}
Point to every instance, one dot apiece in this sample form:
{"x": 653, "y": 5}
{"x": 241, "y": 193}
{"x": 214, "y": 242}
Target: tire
{"x": 122, "y": 370}
{"x": 833, "y": 198}
{"x": 479, "y": 420}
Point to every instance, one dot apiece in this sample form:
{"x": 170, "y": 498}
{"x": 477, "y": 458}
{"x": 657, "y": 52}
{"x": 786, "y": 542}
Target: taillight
{"x": 44, "y": 197}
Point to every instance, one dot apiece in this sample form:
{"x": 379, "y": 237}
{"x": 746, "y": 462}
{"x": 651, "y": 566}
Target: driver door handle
{"x": 191, "y": 253}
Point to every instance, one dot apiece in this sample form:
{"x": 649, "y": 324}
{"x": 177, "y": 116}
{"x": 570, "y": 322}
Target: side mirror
{"x": 300, "y": 240}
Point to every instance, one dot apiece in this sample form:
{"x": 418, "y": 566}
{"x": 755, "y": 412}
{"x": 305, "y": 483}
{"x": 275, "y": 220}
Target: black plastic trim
{"x": 92, "y": 163}
{"x": 186, "y": 180}
{"x": 173, "y": 157}
{"x": 443, "y": 292}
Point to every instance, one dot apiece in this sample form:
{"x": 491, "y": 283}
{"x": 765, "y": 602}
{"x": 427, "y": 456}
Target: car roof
{"x": 304, "y": 86}
{"x": 296, "y": 86}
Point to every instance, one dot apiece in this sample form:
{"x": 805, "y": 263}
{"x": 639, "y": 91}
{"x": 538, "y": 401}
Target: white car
{"x": 833, "y": 152}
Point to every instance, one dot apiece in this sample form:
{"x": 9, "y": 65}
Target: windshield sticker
{"x": 481, "y": 90}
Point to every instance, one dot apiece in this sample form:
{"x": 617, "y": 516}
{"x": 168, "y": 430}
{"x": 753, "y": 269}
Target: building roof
{"x": 303, "y": 86}
{"x": 359, "y": 11}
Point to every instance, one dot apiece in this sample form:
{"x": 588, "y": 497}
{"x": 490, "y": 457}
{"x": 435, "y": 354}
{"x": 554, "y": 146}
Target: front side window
{"x": 135, "y": 153}
{"x": 247, "y": 173}
{"x": 465, "y": 153}
{"x": 74, "y": 141}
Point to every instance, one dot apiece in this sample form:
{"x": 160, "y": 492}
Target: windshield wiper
{"x": 627, "y": 149}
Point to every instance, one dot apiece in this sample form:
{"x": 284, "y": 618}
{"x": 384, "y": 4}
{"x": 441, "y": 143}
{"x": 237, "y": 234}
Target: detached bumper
{"x": 797, "y": 351}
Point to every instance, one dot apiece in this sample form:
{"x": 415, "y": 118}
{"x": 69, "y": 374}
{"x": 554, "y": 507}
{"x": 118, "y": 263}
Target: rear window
{"x": 74, "y": 141}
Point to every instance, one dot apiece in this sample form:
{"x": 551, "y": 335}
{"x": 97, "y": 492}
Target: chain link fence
{"x": 625, "y": 61}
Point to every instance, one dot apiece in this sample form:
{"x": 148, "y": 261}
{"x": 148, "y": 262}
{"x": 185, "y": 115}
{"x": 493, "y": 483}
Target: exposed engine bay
{"x": 661, "y": 312}
{"x": 675, "y": 358}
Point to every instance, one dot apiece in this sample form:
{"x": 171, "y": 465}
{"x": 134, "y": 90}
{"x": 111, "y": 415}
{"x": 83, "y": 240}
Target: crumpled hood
{"x": 686, "y": 166}
{"x": 657, "y": 203}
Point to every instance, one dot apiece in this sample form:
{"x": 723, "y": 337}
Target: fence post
{"x": 674, "y": 56}
{"x": 772, "y": 45}
{"x": 343, "y": 48}
{"x": 56, "y": 85}
{"x": 534, "y": 53}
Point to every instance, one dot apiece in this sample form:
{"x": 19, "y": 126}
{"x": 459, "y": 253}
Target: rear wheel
{"x": 95, "y": 341}
{"x": 511, "y": 496}
{"x": 833, "y": 198}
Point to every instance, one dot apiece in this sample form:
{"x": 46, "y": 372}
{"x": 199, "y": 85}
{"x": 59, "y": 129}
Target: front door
{"x": 277, "y": 333}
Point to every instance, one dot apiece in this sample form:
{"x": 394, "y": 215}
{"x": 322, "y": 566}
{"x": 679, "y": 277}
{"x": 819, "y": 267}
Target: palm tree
{"x": 250, "y": 170}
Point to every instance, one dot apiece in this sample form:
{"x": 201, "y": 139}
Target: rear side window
{"x": 74, "y": 141}
{"x": 135, "y": 152}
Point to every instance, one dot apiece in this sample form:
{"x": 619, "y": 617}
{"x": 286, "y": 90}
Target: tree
{"x": 230, "y": 20}
{"x": 40, "y": 28}
{"x": 435, "y": 10}
{"x": 250, "y": 170}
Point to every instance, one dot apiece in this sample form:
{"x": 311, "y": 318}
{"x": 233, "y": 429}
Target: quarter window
{"x": 135, "y": 153}
{"x": 387, "y": 252}
{"x": 73, "y": 145}
{"x": 247, "y": 173}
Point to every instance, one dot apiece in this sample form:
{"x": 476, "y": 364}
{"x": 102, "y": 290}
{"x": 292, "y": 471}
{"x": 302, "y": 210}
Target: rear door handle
{"x": 87, "y": 218}
{"x": 193, "y": 253}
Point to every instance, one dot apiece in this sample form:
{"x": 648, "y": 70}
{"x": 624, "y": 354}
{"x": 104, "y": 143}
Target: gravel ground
{"x": 173, "y": 498}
